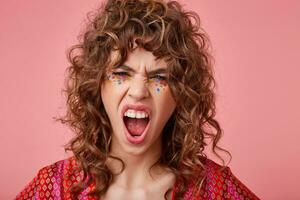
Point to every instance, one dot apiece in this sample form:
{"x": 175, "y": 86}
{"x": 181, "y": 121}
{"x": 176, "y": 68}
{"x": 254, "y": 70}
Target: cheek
{"x": 111, "y": 94}
{"x": 162, "y": 95}
{"x": 165, "y": 103}
{"x": 115, "y": 86}
{"x": 158, "y": 86}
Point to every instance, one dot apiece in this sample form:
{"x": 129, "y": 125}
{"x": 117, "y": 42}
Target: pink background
{"x": 256, "y": 46}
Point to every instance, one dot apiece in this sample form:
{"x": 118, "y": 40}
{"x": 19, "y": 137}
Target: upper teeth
{"x": 135, "y": 114}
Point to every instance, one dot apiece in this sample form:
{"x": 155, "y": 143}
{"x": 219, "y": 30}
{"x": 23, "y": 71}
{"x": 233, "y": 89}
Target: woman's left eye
{"x": 159, "y": 78}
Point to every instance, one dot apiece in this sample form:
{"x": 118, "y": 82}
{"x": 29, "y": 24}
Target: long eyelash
{"x": 159, "y": 77}
{"x": 120, "y": 73}
{"x": 156, "y": 77}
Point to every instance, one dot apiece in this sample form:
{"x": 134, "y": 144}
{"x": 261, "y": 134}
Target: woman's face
{"x": 138, "y": 102}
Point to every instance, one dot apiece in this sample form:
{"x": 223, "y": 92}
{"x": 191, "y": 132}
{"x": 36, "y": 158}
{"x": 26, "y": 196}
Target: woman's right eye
{"x": 120, "y": 74}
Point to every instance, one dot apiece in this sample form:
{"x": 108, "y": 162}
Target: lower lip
{"x": 137, "y": 140}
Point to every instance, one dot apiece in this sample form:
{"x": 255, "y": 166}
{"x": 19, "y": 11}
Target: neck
{"x": 137, "y": 167}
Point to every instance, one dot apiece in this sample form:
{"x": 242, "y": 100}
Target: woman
{"x": 141, "y": 102}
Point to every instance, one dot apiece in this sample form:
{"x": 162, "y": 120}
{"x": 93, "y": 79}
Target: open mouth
{"x": 136, "y": 120}
{"x": 135, "y": 126}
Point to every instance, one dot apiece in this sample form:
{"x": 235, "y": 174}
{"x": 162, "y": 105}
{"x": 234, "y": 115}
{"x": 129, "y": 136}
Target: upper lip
{"x": 138, "y": 107}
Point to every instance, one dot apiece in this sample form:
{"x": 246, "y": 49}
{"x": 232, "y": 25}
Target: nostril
{"x": 138, "y": 92}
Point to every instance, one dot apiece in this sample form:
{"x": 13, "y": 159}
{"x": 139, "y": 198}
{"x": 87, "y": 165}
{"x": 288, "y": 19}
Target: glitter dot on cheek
{"x": 116, "y": 79}
{"x": 158, "y": 85}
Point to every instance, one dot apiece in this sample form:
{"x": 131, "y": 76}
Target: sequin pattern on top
{"x": 220, "y": 185}
{"x": 55, "y": 181}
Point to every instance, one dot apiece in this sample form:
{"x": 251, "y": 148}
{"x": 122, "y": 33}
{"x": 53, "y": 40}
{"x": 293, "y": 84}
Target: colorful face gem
{"x": 117, "y": 77}
{"x": 159, "y": 84}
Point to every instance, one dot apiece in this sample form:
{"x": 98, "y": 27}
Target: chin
{"x": 134, "y": 150}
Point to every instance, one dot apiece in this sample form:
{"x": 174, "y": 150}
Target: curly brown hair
{"x": 169, "y": 32}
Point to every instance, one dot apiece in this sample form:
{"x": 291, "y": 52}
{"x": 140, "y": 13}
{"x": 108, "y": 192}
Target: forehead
{"x": 139, "y": 58}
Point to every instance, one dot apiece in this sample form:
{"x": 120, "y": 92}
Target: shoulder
{"x": 221, "y": 183}
{"x": 53, "y": 181}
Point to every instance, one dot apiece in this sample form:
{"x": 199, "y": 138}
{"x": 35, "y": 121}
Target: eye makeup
{"x": 118, "y": 77}
{"x": 159, "y": 83}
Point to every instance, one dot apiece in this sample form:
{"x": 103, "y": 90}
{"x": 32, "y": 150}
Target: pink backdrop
{"x": 256, "y": 46}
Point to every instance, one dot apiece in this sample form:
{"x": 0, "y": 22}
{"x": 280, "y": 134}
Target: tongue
{"x": 136, "y": 126}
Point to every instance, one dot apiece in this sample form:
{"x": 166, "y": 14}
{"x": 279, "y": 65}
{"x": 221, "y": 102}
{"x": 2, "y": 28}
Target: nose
{"x": 138, "y": 89}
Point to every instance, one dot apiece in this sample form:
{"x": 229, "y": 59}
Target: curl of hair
{"x": 171, "y": 33}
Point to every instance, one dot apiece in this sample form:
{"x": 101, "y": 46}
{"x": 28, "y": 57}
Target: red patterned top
{"x": 54, "y": 182}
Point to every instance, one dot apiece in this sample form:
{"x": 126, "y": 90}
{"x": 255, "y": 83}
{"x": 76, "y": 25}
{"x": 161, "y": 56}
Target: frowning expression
{"x": 138, "y": 102}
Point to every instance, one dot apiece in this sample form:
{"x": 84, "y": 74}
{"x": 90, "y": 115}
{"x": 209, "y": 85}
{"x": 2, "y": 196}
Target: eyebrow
{"x": 156, "y": 71}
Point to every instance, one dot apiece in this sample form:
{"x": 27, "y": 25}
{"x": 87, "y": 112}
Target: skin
{"x": 138, "y": 86}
